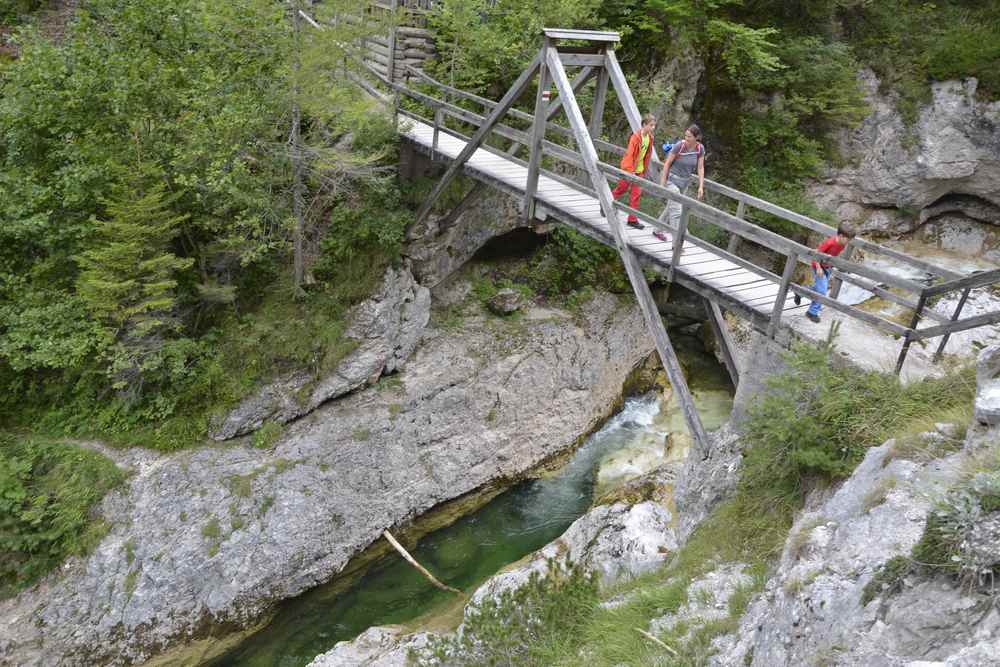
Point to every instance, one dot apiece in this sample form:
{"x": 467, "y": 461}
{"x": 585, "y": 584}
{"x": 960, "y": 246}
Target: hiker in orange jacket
{"x": 636, "y": 161}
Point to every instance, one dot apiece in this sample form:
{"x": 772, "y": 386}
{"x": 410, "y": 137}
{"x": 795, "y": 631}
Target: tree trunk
{"x": 295, "y": 139}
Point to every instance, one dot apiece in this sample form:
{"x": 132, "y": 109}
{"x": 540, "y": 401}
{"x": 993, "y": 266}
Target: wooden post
{"x": 391, "y": 67}
{"x": 438, "y": 122}
{"x": 908, "y": 338}
{"x": 632, "y": 268}
{"x": 600, "y": 97}
{"x": 726, "y": 343}
{"x": 476, "y": 139}
{"x": 954, "y": 317}
{"x": 578, "y": 83}
{"x": 735, "y": 239}
{"x": 779, "y": 302}
{"x": 837, "y": 282}
{"x": 678, "y": 248}
{"x": 537, "y": 136}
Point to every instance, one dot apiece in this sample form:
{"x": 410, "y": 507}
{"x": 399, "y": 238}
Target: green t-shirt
{"x": 641, "y": 165}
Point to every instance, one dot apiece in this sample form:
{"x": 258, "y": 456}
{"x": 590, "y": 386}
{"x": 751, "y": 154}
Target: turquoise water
{"x": 465, "y": 554}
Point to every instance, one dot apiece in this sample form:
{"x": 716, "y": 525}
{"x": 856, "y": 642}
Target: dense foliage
{"x": 146, "y": 191}
{"x": 47, "y": 492}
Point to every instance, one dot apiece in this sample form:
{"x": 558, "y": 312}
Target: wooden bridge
{"x": 725, "y": 279}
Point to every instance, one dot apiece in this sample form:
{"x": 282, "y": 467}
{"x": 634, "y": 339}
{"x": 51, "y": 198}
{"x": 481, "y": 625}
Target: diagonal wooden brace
{"x": 636, "y": 277}
{"x": 504, "y": 105}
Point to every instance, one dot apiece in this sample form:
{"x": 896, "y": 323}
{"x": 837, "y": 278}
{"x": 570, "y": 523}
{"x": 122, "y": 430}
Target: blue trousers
{"x": 821, "y": 283}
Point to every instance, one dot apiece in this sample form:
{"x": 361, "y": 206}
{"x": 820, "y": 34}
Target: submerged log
{"x": 412, "y": 561}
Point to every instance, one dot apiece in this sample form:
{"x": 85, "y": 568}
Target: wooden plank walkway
{"x": 730, "y": 283}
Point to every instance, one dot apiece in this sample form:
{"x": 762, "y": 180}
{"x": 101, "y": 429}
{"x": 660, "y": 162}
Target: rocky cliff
{"x": 206, "y": 541}
{"x": 895, "y": 566}
{"x": 899, "y": 177}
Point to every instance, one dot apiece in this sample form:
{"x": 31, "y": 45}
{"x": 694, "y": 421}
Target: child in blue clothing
{"x": 832, "y": 246}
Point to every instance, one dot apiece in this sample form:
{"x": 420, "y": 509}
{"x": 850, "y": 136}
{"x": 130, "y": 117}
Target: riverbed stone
{"x": 207, "y": 541}
{"x": 505, "y": 301}
{"x": 386, "y": 328}
{"x": 612, "y": 541}
{"x": 987, "y": 405}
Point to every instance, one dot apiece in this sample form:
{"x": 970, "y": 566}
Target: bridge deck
{"x": 729, "y": 283}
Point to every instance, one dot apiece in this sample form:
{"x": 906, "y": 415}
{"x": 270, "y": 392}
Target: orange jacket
{"x": 632, "y": 153}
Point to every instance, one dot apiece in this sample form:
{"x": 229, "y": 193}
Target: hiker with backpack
{"x": 636, "y": 161}
{"x": 683, "y": 159}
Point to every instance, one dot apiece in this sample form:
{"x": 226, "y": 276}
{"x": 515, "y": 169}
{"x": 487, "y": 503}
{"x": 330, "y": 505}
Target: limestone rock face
{"x": 814, "y": 606}
{"x": 387, "y": 328}
{"x": 206, "y": 541}
{"x": 676, "y": 82}
{"x": 953, "y": 153}
{"x": 706, "y": 479}
{"x": 439, "y": 246}
{"x": 987, "y": 406}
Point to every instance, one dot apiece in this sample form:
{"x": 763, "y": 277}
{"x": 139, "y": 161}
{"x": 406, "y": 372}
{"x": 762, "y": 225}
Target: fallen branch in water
{"x": 412, "y": 561}
{"x": 656, "y": 641}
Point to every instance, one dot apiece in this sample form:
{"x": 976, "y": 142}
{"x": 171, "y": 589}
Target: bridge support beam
{"x": 725, "y": 339}
{"x": 645, "y": 298}
{"x": 537, "y": 137}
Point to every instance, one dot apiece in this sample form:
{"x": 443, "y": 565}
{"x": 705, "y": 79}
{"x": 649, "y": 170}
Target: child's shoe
{"x": 798, "y": 299}
{"x": 635, "y": 224}
{"x": 813, "y": 317}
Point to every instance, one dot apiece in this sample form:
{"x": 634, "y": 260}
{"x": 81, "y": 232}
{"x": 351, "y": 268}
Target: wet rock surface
{"x": 386, "y": 327}
{"x": 206, "y": 541}
{"x": 987, "y": 405}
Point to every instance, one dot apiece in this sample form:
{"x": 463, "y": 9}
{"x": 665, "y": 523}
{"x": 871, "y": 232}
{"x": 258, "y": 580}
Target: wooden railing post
{"x": 678, "y": 242}
{"x": 438, "y": 122}
{"x": 954, "y": 317}
{"x": 537, "y": 137}
{"x": 837, "y": 282}
{"x": 908, "y": 338}
{"x": 779, "y": 302}
{"x": 735, "y": 239}
{"x": 600, "y": 96}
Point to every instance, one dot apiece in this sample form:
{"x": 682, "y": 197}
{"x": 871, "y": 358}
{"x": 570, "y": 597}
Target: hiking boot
{"x": 813, "y": 316}
{"x": 635, "y": 224}
{"x": 797, "y": 299}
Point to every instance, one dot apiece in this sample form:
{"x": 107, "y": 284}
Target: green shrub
{"x": 526, "y": 626}
{"x": 47, "y": 493}
{"x": 819, "y": 417}
{"x": 267, "y": 435}
{"x": 572, "y": 261}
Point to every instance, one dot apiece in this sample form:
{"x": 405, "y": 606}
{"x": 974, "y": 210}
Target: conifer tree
{"x": 128, "y": 276}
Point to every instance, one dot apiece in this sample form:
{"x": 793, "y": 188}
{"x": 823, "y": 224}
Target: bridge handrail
{"x": 791, "y": 216}
{"x": 729, "y": 222}
{"x": 886, "y": 325}
{"x": 734, "y": 224}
